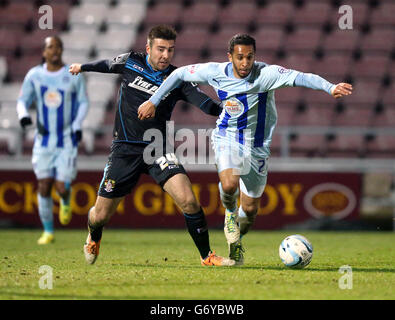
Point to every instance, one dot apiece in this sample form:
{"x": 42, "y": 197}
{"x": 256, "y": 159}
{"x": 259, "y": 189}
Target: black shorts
{"x": 125, "y": 165}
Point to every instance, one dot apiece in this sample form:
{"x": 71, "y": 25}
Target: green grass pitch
{"x": 157, "y": 264}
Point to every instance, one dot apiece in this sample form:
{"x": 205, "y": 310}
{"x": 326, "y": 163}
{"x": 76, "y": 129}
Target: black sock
{"x": 197, "y": 227}
{"x": 95, "y": 231}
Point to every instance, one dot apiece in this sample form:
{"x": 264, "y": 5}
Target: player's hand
{"x": 25, "y": 121}
{"x": 146, "y": 110}
{"x": 78, "y": 135}
{"x": 75, "y": 68}
{"x": 341, "y": 89}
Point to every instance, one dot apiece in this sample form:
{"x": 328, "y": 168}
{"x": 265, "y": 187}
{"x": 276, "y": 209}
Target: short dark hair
{"x": 161, "y": 32}
{"x": 243, "y": 39}
{"x": 56, "y": 37}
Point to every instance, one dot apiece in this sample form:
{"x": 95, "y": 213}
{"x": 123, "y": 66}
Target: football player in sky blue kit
{"x": 62, "y": 105}
{"x": 244, "y": 129}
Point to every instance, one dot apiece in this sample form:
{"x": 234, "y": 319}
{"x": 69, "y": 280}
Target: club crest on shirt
{"x": 283, "y": 70}
{"x": 192, "y": 68}
{"x": 233, "y": 107}
{"x": 109, "y": 185}
{"x": 52, "y": 99}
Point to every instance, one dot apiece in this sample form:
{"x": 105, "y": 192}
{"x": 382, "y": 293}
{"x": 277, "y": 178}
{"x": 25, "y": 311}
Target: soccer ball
{"x": 296, "y": 251}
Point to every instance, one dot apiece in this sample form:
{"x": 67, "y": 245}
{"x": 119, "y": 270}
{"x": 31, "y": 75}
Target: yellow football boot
{"x": 46, "y": 238}
{"x": 65, "y": 213}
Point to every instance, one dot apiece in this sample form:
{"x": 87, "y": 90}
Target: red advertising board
{"x": 289, "y": 198}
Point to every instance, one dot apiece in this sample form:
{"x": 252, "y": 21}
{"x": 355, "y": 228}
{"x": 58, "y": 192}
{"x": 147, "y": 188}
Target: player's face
{"x": 242, "y": 59}
{"x": 160, "y": 53}
{"x": 53, "y": 51}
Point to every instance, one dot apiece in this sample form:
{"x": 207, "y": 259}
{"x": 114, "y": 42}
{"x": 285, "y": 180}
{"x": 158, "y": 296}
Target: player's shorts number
{"x": 261, "y": 165}
{"x": 166, "y": 160}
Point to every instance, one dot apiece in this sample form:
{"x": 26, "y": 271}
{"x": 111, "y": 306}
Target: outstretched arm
{"x": 82, "y": 111}
{"x": 191, "y": 73}
{"x": 26, "y": 96}
{"x": 115, "y": 65}
{"x": 313, "y": 81}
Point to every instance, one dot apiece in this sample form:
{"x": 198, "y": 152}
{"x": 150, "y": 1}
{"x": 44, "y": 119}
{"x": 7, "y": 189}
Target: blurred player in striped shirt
{"x": 61, "y": 104}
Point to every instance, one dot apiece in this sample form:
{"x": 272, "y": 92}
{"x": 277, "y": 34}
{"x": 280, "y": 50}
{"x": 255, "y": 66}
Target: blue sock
{"x": 45, "y": 207}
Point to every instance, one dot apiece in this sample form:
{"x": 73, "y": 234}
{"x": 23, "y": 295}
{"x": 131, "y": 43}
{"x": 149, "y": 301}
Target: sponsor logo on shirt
{"x": 140, "y": 84}
{"x": 52, "y": 99}
{"x": 234, "y": 107}
{"x": 192, "y": 68}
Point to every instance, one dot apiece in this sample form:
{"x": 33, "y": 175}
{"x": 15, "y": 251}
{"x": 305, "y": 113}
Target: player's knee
{"x": 250, "y": 210}
{"x": 229, "y": 187}
{"x": 189, "y": 204}
{"x": 44, "y": 189}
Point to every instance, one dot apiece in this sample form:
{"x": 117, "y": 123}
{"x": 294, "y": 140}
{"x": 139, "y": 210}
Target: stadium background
{"x": 333, "y": 161}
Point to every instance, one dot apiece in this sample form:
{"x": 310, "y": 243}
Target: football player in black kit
{"x": 142, "y": 74}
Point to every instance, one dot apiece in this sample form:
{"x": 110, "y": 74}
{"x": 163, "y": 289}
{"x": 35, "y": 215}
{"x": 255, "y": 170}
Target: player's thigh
{"x": 171, "y": 176}
{"x": 66, "y": 164}
{"x": 180, "y": 189}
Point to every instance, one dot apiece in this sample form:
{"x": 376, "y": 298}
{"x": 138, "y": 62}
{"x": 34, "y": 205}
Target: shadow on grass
{"x": 272, "y": 267}
{"x": 52, "y": 296}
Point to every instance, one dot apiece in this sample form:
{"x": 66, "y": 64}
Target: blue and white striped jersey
{"x": 61, "y": 102}
{"x": 249, "y": 113}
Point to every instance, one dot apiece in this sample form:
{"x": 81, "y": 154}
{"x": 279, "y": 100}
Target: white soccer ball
{"x": 296, "y": 251}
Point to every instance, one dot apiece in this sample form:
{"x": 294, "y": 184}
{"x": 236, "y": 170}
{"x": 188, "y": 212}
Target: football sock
{"x": 197, "y": 228}
{"x": 95, "y": 230}
{"x": 45, "y": 206}
{"x": 245, "y": 222}
{"x": 229, "y": 201}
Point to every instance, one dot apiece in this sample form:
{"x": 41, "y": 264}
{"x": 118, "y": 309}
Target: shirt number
{"x": 168, "y": 158}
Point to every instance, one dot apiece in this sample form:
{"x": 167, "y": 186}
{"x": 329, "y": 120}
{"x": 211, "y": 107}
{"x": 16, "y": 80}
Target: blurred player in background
{"x": 142, "y": 74}
{"x": 62, "y": 105}
{"x": 244, "y": 130}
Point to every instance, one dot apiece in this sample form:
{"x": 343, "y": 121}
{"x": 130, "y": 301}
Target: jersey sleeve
{"x": 26, "y": 95}
{"x": 191, "y": 73}
{"x": 116, "y": 65}
{"x": 82, "y": 103}
{"x": 192, "y": 94}
{"x": 313, "y": 81}
{"x": 274, "y": 77}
